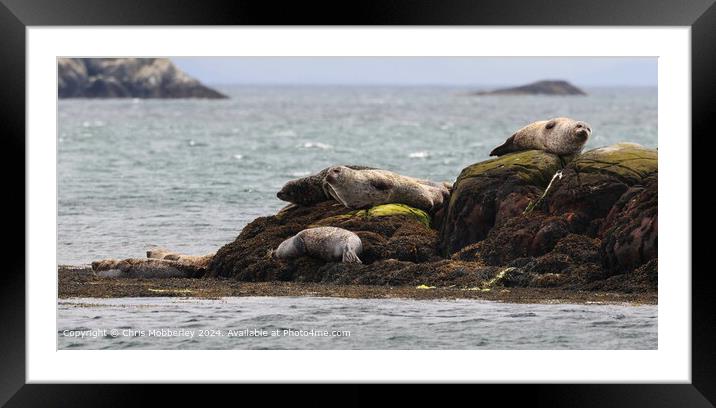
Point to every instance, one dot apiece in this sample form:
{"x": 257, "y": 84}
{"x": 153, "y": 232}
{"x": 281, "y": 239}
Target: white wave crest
{"x": 317, "y": 145}
{"x": 419, "y": 155}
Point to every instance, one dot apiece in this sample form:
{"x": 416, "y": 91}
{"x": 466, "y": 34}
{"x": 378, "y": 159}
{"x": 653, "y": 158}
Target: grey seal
{"x": 306, "y": 191}
{"x": 367, "y": 188}
{"x": 162, "y": 253}
{"x": 561, "y": 136}
{"x": 327, "y": 243}
{"x": 160, "y": 263}
{"x": 146, "y": 268}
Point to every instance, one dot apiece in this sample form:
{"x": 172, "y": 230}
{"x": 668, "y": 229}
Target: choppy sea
{"x": 189, "y": 174}
{"x": 335, "y": 323}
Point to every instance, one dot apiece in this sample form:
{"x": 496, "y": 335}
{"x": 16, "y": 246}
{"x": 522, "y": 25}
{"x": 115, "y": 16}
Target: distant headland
{"x": 557, "y": 87}
{"x": 127, "y": 78}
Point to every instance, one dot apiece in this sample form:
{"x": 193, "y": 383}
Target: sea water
{"x": 335, "y": 323}
{"x": 190, "y": 174}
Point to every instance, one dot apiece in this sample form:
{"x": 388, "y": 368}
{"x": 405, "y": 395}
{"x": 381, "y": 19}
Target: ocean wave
{"x": 317, "y": 145}
{"x": 419, "y": 155}
{"x": 194, "y": 143}
{"x": 238, "y": 156}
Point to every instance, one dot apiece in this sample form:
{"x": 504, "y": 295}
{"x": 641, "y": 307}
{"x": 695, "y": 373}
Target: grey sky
{"x": 581, "y": 71}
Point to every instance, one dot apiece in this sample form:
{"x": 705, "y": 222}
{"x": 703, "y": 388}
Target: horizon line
{"x": 409, "y": 84}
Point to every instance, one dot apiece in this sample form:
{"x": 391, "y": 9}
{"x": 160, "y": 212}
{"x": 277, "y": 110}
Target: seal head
{"x": 357, "y": 189}
{"x": 306, "y": 191}
{"x": 560, "y": 136}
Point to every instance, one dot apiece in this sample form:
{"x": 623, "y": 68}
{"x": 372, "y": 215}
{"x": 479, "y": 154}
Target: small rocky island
{"x": 527, "y": 226}
{"x": 551, "y": 87}
{"x": 127, "y": 78}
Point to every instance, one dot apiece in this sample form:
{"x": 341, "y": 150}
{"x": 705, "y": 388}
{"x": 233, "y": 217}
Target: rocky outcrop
{"x": 127, "y": 78}
{"x": 594, "y": 182}
{"x": 603, "y": 207}
{"x": 538, "y": 88}
{"x": 393, "y": 231}
{"x": 510, "y": 222}
{"x": 526, "y": 219}
{"x": 491, "y": 192}
{"x": 629, "y": 230}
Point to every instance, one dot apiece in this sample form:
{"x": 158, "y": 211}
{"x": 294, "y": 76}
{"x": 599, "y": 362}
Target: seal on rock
{"x": 327, "y": 243}
{"x": 561, "y": 136}
{"x": 161, "y": 253}
{"x": 357, "y": 189}
{"x": 309, "y": 190}
{"x": 145, "y": 268}
{"x": 160, "y": 263}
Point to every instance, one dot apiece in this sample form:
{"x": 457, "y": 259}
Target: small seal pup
{"x": 309, "y": 190}
{"x": 327, "y": 243}
{"x": 367, "y": 188}
{"x": 561, "y": 136}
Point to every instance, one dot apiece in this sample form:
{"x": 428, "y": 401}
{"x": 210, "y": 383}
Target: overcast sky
{"x": 581, "y": 71}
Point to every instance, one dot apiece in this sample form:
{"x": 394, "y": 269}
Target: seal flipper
{"x": 349, "y": 256}
{"x": 507, "y": 147}
{"x": 286, "y": 208}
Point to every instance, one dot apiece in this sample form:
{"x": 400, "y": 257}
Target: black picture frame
{"x": 16, "y": 15}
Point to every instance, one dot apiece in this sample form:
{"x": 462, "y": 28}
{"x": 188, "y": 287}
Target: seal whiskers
{"x": 358, "y": 189}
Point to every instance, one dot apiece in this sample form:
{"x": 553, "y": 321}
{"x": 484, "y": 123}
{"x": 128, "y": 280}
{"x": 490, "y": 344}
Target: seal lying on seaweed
{"x": 309, "y": 190}
{"x": 357, "y": 189}
{"x": 327, "y": 243}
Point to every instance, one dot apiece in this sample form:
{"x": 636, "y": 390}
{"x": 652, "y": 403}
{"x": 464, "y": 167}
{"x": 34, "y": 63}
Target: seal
{"x": 307, "y": 191}
{"x": 162, "y": 253}
{"x": 327, "y": 243}
{"x": 160, "y": 263}
{"x": 561, "y": 136}
{"x": 146, "y": 268}
{"x": 357, "y": 189}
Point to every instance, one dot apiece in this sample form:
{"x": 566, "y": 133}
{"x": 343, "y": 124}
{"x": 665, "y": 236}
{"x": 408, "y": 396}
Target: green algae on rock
{"x": 594, "y": 181}
{"x": 629, "y": 161}
{"x": 602, "y": 207}
{"x": 532, "y": 166}
{"x": 384, "y": 210}
{"x": 490, "y": 192}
